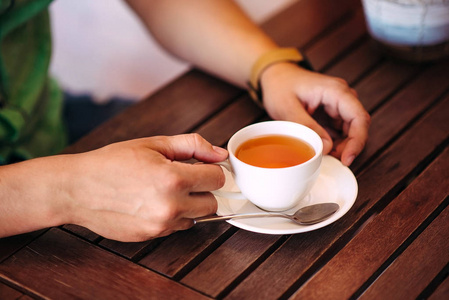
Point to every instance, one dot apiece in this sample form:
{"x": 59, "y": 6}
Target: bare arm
{"x": 28, "y": 198}
{"x": 128, "y": 191}
{"x": 216, "y": 36}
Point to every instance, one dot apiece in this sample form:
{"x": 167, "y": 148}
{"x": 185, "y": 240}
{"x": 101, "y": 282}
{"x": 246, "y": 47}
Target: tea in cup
{"x": 274, "y": 164}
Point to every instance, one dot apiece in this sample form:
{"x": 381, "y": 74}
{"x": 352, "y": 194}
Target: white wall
{"x": 101, "y": 48}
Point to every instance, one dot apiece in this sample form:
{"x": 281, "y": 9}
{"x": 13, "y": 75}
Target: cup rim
{"x": 318, "y": 150}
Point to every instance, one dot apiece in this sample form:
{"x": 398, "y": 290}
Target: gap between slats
{"x": 402, "y": 248}
{"x": 433, "y": 288}
{"x": 410, "y": 124}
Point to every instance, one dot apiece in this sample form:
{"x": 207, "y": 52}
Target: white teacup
{"x": 273, "y": 189}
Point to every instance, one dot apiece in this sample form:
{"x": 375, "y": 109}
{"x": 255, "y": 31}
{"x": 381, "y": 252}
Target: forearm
{"x": 215, "y": 36}
{"x": 30, "y": 198}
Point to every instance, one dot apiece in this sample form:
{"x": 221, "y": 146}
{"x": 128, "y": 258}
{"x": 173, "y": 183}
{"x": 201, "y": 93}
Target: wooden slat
{"x": 11, "y": 244}
{"x": 278, "y": 272}
{"x": 338, "y": 40}
{"x": 60, "y": 266}
{"x": 8, "y": 293}
{"x": 380, "y": 238}
{"x": 306, "y": 20}
{"x": 384, "y": 81}
{"x": 234, "y": 117}
{"x": 182, "y": 249}
{"x": 427, "y": 86}
{"x": 409, "y": 274}
{"x": 441, "y": 292}
{"x": 83, "y": 232}
{"x": 361, "y": 59}
{"x": 129, "y": 250}
{"x": 404, "y": 107}
{"x": 375, "y": 182}
{"x": 221, "y": 268}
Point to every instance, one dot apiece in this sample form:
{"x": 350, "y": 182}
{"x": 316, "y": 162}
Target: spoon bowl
{"x": 306, "y": 215}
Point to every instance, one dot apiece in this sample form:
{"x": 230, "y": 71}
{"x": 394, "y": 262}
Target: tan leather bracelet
{"x": 266, "y": 60}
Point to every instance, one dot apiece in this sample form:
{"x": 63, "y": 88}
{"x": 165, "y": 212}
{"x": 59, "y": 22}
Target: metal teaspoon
{"x": 306, "y": 215}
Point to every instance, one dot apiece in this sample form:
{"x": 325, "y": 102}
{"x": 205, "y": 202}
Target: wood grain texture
{"x": 380, "y": 238}
{"x": 339, "y": 40}
{"x": 362, "y": 59}
{"x": 83, "y": 232}
{"x": 404, "y": 106}
{"x": 441, "y": 292}
{"x": 307, "y": 19}
{"x": 384, "y": 81}
{"x": 8, "y": 293}
{"x": 228, "y": 262}
{"x": 129, "y": 250}
{"x": 11, "y": 244}
{"x": 180, "y": 250}
{"x": 219, "y": 129}
{"x": 60, "y": 266}
{"x": 414, "y": 269}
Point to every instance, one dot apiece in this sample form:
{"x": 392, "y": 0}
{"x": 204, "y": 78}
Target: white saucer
{"x": 336, "y": 183}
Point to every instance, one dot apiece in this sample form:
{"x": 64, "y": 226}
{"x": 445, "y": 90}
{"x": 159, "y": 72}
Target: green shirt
{"x": 30, "y": 102}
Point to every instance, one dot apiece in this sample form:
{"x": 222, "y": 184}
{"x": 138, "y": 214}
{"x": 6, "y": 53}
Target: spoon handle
{"x": 237, "y": 216}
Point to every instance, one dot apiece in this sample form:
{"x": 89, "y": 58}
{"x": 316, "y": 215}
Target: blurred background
{"x": 100, "y": 48}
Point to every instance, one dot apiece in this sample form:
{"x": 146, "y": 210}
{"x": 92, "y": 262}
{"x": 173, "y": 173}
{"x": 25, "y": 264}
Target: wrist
{"x": 280, "y": 56}
{"x": 61, "y": 205}
{"x": 30, "y": 197}
{"x": 275, "y": 71}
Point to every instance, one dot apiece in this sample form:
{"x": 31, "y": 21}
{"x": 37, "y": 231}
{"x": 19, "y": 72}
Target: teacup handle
{"x": 228, "y": 194}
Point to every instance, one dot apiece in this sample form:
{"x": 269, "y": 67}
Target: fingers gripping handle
{"x": 228, "y": 194}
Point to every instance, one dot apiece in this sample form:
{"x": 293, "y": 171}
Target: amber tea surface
{"x": 274, "y": 151}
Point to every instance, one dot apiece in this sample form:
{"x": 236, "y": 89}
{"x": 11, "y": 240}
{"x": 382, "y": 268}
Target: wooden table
{"x": 392, "y": 244}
